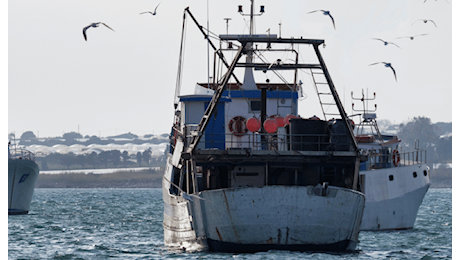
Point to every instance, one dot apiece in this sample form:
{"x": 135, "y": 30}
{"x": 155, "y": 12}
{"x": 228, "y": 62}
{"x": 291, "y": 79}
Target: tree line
{"x": 105, "y": 159}
{"x": 29, "y": 138}
{"x": 431, "y": 137}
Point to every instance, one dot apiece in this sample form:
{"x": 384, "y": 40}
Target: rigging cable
{"x": 207, "y": 25}
{"x": 180, "y": 64}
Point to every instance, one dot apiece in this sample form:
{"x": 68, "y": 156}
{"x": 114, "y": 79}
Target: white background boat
{"x": 393, "y": 180}
{"x": 22, "y": 176}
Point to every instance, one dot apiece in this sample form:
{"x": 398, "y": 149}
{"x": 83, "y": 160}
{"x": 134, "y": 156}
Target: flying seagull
{"x": 325, "y": 13}
{"x": 385, "y": 42}
{"x": 94, "y": 25}
{"x": 413, "y": 36}
{"x": 154, "y": 11}
{"x": 388, "y": 65}
{"x": 425, "y": 21}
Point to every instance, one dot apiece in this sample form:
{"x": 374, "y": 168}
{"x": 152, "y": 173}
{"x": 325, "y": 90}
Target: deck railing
{"x": 20, "y": 153}
{"x": 378, "y": 159}
{"x": 267, "y": 141}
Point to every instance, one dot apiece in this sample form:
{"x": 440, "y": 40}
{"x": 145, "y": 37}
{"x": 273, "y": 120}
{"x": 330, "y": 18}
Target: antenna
{"x": 280, "y": 28}
{"x": 369, "y": 119}
{"x": 262, "y": 11}
{"x": 226, "y": 20}
{"x": 363, "y": 99}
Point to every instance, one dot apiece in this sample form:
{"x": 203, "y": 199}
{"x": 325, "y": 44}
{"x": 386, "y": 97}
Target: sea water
{"x": 127, "y": 224}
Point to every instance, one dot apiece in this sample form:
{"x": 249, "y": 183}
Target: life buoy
{"x": 396, "y": 158}
{"x": 352, "y": 124}
{"x": 237, "y": 126}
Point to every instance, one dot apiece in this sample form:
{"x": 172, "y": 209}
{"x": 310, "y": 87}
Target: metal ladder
{"x": 326, "y": 99}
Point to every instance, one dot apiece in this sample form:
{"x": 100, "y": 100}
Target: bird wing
{"x": 376, "y": 63}
{"x": 332, "y": 18}
{"x": 108, "y": 26}
{"x": 421, "y": 34}
{"x": 378, "y": 39}
{"x": 394, "y": 72}
{"x": 155, "y": 11}
{"x": 394, "y": 44}
{"x": 314, "y": 11}
{"x": 146, "y": 12}
{"x": 84, "y": 31}
{"x": 417, "y": 21}
{"x": 433, "y": 23}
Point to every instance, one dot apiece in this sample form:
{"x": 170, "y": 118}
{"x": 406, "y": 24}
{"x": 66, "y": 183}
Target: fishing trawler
{"x": 393, "y": 180}
{"x": 22, "y": 176}
{"x": 245, "y": 172}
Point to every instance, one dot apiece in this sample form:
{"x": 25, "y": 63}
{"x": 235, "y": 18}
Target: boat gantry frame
{"x": 246, "y": 40}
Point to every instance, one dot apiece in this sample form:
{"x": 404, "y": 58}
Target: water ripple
{"x": 127, "y": 224}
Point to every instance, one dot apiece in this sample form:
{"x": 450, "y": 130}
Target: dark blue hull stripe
{"x": 219, "y": 246}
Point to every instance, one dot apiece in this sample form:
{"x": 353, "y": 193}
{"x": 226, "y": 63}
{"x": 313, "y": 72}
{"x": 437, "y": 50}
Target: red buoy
{"x": 286, "y": 119}
{"x": 280, "y": 121}
{"x": 270, "y": 126}
{"x": 253, "y": 124}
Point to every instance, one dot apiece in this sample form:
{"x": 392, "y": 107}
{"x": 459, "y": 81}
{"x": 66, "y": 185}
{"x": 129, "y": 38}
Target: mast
{"x": 251, "y": 28}
{"x": 248, "y": 82}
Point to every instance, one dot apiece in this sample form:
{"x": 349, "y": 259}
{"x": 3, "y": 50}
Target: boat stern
{"x": 300, "y": 218}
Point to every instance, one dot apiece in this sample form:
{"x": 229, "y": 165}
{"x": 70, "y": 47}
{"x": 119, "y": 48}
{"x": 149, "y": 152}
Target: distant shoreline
{"x": 152, "y": 178}
{"x": 100, "y": 171}
{"x": 147, "y": 178}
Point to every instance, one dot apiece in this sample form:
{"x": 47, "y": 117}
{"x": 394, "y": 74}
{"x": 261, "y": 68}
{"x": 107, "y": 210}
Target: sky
{"x": 124, "y": 80}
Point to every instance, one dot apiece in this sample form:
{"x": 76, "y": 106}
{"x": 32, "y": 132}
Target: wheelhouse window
{"x": 255, "y": 105}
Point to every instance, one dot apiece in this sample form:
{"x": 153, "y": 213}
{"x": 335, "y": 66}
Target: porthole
{"x": 391, "y": 177}
{"x": 425, "y": 173}
{"x": 414, "y": 174}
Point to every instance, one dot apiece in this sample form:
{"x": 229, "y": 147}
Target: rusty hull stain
{"x": 218, "y": 233}
{"x": 230, "y": 216}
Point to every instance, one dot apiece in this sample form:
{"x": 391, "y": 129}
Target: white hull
{"x": 393, "y": 204}
{"x": 251, "y": 219}
{"x": 22, "y": 176}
